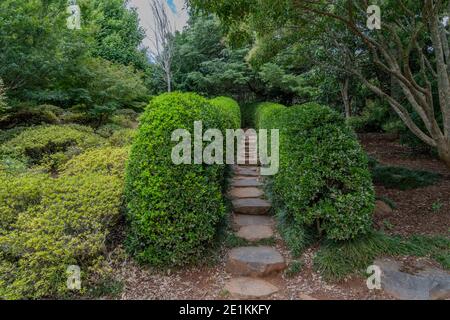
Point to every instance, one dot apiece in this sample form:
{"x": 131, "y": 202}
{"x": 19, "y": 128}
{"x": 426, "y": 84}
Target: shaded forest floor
{"x": 423, "y": 211}
{"x": 419, "y": 211}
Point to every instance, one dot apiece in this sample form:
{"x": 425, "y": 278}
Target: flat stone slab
{"x": 255, "y": 261}
{"x": 246, "y": 183}
{"x": 243, "y": 220}
{"x": 251, "y": 206}
{"x": 423, "y": 283}
{"x": 243, "y": 193}
{"x": 255, "y": 232}
{"x": 250, "y": 288}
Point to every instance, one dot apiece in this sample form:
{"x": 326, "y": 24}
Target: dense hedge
{"x": 173, "y": 210}
{"x": 323, "y": 178}
{"x": 266, "y": 113}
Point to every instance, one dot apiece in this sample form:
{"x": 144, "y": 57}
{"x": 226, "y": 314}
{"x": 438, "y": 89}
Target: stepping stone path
{"x": 251, "y": 265}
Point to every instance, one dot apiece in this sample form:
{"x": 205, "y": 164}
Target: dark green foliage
{"x": 43, "y": 62}
{"x": 372, "y": 118}
{"x": 323, "y": 179}
{"x": 203, "y": 62}
{"x": 403, "y": 178}
{"x": 119, "y": 34}
{"x": 248, "y": 114}
{"x": 336, "y": 260}
{"x": 297, "y": 237}
{"x": 173, "y": 210}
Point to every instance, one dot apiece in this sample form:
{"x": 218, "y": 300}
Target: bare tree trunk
{"x": 346, "y": 98}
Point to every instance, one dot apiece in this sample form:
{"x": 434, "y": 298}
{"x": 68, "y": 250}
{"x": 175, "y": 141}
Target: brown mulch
{"x": 423, "y": 211}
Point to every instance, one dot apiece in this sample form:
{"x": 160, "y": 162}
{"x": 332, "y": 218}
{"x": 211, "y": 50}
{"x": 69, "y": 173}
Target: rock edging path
{"x": 250, "y": 265}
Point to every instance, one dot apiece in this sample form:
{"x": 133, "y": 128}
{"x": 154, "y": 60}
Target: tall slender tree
{"x": 163, "y": 32}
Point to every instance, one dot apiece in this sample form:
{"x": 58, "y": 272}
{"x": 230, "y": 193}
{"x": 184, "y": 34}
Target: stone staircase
{"x": 251, "y": 266}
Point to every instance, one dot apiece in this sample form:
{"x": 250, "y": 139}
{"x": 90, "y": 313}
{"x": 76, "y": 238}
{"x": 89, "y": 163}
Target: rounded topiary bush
{"x": 231, "y": 111}
{"x": 173, "y": 210}
{"x": 266, "y": 112}
{"x": 323, "y": 178}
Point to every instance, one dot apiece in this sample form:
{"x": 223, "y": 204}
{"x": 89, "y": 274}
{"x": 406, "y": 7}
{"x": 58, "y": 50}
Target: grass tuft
{"x": 336, "y": 260}
{"x": 403, "y": 178}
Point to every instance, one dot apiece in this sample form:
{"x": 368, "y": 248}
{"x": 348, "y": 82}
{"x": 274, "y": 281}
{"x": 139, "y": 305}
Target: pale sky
{"x": 176, "y": 10}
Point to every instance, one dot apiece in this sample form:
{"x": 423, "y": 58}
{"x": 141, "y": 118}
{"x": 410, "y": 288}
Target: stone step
{"x": 244, "y": 220}
{"x": 255, "y": 233}
{"x": 247, "y": 171}
{"x": 255, "y": 261}
{"x": 250, "y": 288}
{"x": 251, "y": 206}
{"x": 246, "y": 183}
{"x": 239, "y": 177}
{"x": 243, "y": 193}
{"x": 247, "y": 164}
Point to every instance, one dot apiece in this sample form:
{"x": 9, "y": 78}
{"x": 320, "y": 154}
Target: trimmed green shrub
{"x": 48, "y": 224}
{"x": 173, "y": 210}
{"x": 37, "y": 143}
{"x": 266, "y": 113}
{"x": 323, "y": 179}
{"x": 230, "y": 109}
{"x": 106, "y": 161}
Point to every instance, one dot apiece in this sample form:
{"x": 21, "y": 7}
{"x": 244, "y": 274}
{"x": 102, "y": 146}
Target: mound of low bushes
{"x": 323, "y": 179}
{"x": 173, "y": 210}
{"x": 54, "y": 143}
{"x": 106, "y": 161}
{"x": 47, "y": 224}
